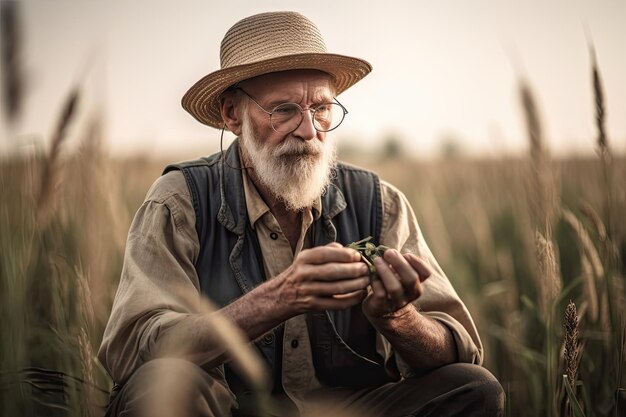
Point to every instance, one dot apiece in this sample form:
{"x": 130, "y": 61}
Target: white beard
{"x": 296, "y": 172}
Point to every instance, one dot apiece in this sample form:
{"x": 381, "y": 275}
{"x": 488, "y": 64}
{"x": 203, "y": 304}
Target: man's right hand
{"x": 329, "y": 277}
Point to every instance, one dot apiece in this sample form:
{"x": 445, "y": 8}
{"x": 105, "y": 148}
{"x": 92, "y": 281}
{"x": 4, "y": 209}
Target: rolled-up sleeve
{"x": 400, "y": 230}
{"x": 157, "y": 277}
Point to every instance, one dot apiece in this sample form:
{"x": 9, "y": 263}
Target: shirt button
{"x": 274, "y": 236}
{"x": 294, "y": 343}
{"x": 268, "y": 339}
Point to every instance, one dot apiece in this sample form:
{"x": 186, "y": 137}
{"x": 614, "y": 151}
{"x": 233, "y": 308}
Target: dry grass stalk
{"x": 571, "y": 356}
{"x": 598, "y": 94}
{"x": 572, "y": 348}
{"x": 611, "y": 212}
{"x": 608, "y": 248}
{"x": 11, "y": 44}
{"x": 589, "y": 289}
{"x": 230, "y": 338}
{"x": 50, "y": 171}
{"x": 587, "y": 210}
{"x": 96, "y": 196}
{"x": 231, "y": 344}
{"x": 533, "y": 124}
{"x": 593, "y": 270}
{"x": 549, "y": 281}
{"x": 85, "y": 300}
{"x": 584, "y": 241}
{"x": 88, "y": 400}
{"x": 542, "y": 190}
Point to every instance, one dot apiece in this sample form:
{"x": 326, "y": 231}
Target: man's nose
{"x": 306, "y": 130}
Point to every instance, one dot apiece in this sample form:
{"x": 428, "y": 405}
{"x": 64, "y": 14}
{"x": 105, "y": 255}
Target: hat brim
{"x": 202, "y": 99}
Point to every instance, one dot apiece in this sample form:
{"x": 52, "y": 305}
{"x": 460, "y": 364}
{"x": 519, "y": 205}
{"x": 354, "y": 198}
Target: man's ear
{"x": 230, "y": 114}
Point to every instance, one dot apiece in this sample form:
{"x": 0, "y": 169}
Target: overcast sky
{"x": 442, "y": 69}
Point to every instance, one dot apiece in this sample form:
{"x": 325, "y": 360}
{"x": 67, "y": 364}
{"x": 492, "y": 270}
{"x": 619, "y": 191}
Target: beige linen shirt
{"x": 163, "y": 246}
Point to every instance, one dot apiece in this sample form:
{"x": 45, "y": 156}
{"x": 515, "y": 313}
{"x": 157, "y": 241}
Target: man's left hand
{"x": 400, "y": 283}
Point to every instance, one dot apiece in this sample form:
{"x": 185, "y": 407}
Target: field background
{"x": 62, "y": 252}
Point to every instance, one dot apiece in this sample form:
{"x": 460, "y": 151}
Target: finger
{"x": 408, "y": 284}
{"x": 408, "y": 276}
{"x": 399, "y": 264}
{"x": 379, "y": 300}
{"x": 335, "y": 245}
{"x": 379, "y": 293}
{"x": 333, "y": 271}
{"x": 393, "y": 287}
{"x": 338, "y": 303}
{"x": 423, "y": 269}
{"x": 360, "y": 293}
{"x": 329, "y": 253}
{"x": 342, "y": 287}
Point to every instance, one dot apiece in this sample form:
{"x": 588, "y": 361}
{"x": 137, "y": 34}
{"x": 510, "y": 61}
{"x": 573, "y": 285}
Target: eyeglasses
{"x": 287, "y": 117}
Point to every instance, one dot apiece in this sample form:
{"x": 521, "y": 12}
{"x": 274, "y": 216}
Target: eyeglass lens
{"x": 287, "y": 117}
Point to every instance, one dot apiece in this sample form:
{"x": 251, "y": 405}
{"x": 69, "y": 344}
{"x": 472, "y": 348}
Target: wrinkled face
{"x": 295, "y": 167}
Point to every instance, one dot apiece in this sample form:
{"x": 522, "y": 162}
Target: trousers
{"x": 174, "y": 387}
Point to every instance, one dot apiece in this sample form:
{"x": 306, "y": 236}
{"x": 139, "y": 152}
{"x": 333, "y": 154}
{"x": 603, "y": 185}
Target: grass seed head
{"x": 572, "y": 348}
{"x": 549, "y": 282}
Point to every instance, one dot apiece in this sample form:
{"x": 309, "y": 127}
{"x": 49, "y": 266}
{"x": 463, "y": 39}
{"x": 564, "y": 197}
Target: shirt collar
{"x": 254, "y": 203}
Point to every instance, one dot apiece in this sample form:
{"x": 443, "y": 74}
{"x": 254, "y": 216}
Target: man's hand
{"x": 400, "y": 283}
{"x": 329, "y": 277}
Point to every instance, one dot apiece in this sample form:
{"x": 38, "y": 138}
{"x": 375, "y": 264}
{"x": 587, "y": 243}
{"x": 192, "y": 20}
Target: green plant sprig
{"x": 368, "y": 252}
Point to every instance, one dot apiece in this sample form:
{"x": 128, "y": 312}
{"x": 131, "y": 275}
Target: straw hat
{"x": 264, "y": 43}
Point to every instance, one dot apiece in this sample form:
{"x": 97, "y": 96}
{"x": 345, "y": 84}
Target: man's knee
{"x": 475, "y": 387}
{"x": 487, "y": 390}
{"x": 168, "y": 386}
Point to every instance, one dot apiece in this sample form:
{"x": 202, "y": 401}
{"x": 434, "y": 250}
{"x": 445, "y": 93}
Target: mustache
{"x": 296, "y": 147}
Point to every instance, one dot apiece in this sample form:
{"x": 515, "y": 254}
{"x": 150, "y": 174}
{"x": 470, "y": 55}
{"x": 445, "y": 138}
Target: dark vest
{"x": 230, "y": 263}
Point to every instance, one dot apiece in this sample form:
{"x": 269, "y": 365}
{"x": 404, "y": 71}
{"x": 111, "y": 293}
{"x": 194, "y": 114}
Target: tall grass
{"x": 58, "y": 280}
{"x": 495, "y": 268}
{"x": 543, "y": 243}
{"x": 64, "y": 224}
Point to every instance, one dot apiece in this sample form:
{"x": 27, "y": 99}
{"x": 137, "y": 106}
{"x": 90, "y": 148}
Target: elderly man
{"x": 261, "y": 230}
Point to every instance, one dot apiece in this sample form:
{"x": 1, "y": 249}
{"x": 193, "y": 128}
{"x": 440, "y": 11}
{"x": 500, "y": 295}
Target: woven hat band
{"x": 270, "y": 35}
